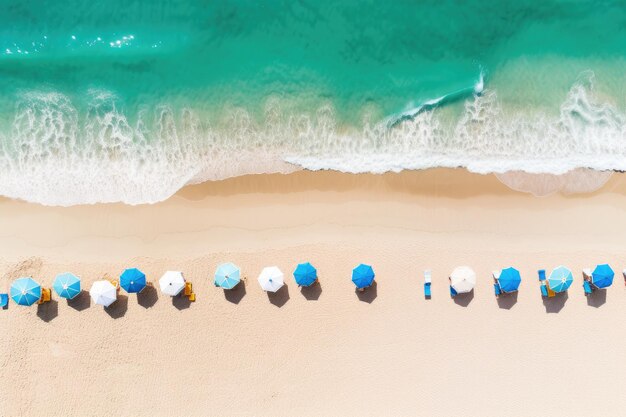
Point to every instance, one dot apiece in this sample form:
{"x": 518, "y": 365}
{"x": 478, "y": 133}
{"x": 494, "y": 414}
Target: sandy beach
{"x": 325, "y": 351}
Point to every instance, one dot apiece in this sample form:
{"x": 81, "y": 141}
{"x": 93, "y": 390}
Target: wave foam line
{"x": 55, "y": 154}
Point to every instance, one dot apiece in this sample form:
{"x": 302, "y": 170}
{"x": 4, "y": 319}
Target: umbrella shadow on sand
{"x": 81, "y": 302}
{"x": 312, "y": 292}
{"x": 280, "y": 297}
{"x": 597, "y": 298}
{"x": 463, "y": 299}
{"x": 48, "y": 311}
{"x": 370, "y": 293}
{"x": 181, "y": 302}
{"x": 556, "y": 303}
{"x": 118, "y": 308}
{"x": 507, "y": 301}
{"x": 236, "y": 294}
{"x": 148, "y": 296}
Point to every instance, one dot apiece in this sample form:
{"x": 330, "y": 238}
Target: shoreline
{"x": 390, "y": 352}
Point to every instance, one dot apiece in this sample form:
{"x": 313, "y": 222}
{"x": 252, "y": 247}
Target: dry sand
{"x": 325, "y": 352}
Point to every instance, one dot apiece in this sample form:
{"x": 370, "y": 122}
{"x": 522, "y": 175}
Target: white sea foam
{"x": 58, "y": 155}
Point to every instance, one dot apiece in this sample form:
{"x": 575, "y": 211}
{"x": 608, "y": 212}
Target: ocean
{"x": 129, "y": 101}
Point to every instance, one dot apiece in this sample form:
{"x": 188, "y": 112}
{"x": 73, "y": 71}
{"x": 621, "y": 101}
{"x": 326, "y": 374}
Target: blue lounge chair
{"x": 587, "y": 287}
{"x": 542, "y": 274}
{"x": 544, "y": 290}
{"x": 452, "y": 291}
{"x": 497, "y": 290}
{"x": 4, "y": 300}
{"x": 427, "y": 289}
{"x": 427, "y": 280}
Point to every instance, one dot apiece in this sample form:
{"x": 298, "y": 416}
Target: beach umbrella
{"x": 509, "y": 280}
{"x": 602, "y": 276}
{"x": 25, "y": 291}
{"x": 363, "y": 276}
{"x": 67, "y": 285}
{"x": 133, "y": 280}
{"x": 172, "y": 283}
{"x": 560, "y": 279}
{"x": 227, "y": 275}
{"x": 305, "y": 274}
{"x": 271, "y": 279}
{"x": 103, "y": 293}
{"x": 463, "y": 279}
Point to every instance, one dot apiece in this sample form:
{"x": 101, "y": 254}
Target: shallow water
{"x": 131, "y": 100}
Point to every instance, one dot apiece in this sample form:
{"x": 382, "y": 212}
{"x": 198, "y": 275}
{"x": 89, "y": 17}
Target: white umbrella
{"x": 271, "y": 279}
{"x": 172, "y": 283}
{"x": 463, "y": 279}
{"x": 103, "y": 293}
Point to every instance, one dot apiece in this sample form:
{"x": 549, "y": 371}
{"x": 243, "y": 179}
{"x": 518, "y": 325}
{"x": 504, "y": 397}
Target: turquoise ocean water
{"x": 131, "y": 100}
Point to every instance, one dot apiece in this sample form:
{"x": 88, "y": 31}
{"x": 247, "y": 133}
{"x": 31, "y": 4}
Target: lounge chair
{"x": 453, "y": 292}
{"x": 542, "y": 274}
{"x": 192, "y": 296}
{"x": 544, "y": 290}
{"x": 427, "y": 283}
{"x": 496, "y": 284}
{"x": 188, "y": 289}
{"x": 45, "y": 295}
{"x": 587, "y": 287}
{"x": 4, "y": 301}
{"x": 496, "y": 289}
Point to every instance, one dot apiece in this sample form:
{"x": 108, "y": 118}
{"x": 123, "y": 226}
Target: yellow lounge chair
{"x": 45, "y": 296}
{"x": 192, "y": 296}
{"x": 188, "y": 289}
{"x": 116, "y": 284}
{"x": 550, "y": 292}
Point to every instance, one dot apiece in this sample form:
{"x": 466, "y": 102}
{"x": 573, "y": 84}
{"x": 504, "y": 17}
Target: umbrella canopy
{"x": 133, "y": 280}
{"x": 67, "y": 285}
{"x": 25, "y": 291}
{"x": 363, "y": 276}
{"x": 463, "y": 279}
{"x": 560, "y": 279}
{"x": 305, "y": 274}
{"x": 602, "y": 276}
{"x": 227, "y": 276}
{"x": 172, "y": 283}
{"x": 509, "y": 280}
{"x": 271, "y": 279}
{"x": 103, "y": 293}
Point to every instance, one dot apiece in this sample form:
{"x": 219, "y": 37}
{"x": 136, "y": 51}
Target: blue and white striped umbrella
{"x": 227, "y": 276}
{"x": 25, "y": 291}
{"x": 67, "y": 285}
{"x": 560, "y": 279}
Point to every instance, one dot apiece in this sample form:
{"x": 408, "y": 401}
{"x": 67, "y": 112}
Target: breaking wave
{"x": 55, "y": 154}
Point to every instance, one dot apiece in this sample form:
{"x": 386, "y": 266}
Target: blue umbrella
{"x": 363, "y": 276}
{"x": 67, "y": 285}
{"x": 305, "y": 274}
{"x": 25, "y": 291}
{"x": 227, "y": 276}
{"x": 509, "y": 279}
{"x": 602, "y": 276}
{"x": 133, "y": 280}
{"x": 560, "y": 279}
